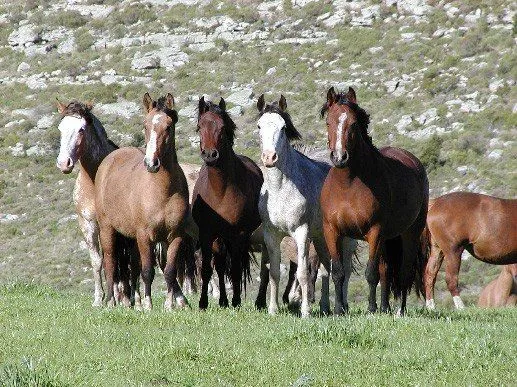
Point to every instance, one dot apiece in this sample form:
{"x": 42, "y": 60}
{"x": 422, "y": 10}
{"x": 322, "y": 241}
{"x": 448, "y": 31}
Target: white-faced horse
{"x": 84, "y": 140}
{"x": 290, "y": 205}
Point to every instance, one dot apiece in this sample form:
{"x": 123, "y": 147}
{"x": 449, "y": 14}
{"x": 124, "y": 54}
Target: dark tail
{"x": 421, "y": 263}
{"x": 394, "y": 256}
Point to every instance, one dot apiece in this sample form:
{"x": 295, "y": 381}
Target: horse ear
{"x": 169, "y": 101}
{"x": 331, "y": 96}
{"x": 202, "y": 107}
{"x": 351, "y": 95}
{"x": 261, "y": 103}
{"x": 282, "y": 103}
{"x": 148, "y": 102}
{"x": 89, "y": 105}
{"x": 222, "y": 104}
{"x": 60, "y": 107}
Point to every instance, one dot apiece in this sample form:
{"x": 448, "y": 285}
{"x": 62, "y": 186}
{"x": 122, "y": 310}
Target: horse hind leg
{"x": 452, "y": 269}
{"x": 288, "y": 297}
{"x": 147, "y": 267}
{"x": 107, "y": 240}
{"x": 431, "y": 272}
{"x": 322, "y": 257}
{"x": 220, "y": 268}
{"x": 260, "y": 302}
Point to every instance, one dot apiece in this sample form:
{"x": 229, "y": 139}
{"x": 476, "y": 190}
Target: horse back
{"x": 485, "y": 225}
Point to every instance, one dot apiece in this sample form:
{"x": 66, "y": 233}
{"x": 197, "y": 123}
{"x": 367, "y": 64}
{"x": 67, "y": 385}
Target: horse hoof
{"x": 181, "y": 302}
{"x": 203, "y": 302}
{"x": 138, "y": 307}
{"x": 372, "y": 308}
{"x": 272, "y": 310}
{"x": 97, "y": 303}
{"x": 260, "y": 304}
{"x": 236, "y": 302}
{"x": 167, "y": 305}
{"x": 111, "y": 303}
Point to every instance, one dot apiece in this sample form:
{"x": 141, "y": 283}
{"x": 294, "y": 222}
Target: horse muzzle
{"x": 269, "y": 158}
{"x": 210, "y": 156}
{"x": 152, "y": 166}
{"x": 65, "y": 166}
{"x": 340, "y": 160}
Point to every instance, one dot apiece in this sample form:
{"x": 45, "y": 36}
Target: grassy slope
{"x": 67, "y": 342}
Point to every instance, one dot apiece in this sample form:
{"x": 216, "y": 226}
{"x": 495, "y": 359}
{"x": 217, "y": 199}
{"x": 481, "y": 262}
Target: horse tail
{"x": 422, "y": 257}
{"x": 394, "y": 261}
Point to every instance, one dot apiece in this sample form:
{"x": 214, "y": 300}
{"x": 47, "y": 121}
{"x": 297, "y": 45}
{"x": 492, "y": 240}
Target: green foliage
{"x": 70, "y": 19}
{"x": 431, "y": 153}
{"x": 83, "y": 39}
{"x": 26, "y": 374}
{"x": 132, "y": 14}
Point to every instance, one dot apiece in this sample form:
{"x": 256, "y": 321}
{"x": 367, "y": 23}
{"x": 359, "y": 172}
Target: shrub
{"x": 83, "y": 39}
{"x": 431, "y": 154}
{"x": 70, "y": 19}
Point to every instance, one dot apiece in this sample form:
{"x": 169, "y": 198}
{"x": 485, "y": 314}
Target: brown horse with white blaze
{"x": 378, "y": 195}
{"x": 224, "y": 203}
{"x": 144, "y": 195}
{"x": 484, "y": 225}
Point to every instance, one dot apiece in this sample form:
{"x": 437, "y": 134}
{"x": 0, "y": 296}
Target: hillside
{"x": 437, "y": 78}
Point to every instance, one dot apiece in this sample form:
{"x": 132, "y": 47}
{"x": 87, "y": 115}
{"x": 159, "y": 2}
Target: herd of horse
{"x": 139, "y": 207}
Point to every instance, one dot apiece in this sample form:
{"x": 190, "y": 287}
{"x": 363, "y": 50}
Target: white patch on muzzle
{"x": 69, "y": 128}
{"x": 339, "y": 134}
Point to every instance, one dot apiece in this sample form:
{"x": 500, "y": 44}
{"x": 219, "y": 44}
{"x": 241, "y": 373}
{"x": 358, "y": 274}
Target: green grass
{"x": 57, "y": 338}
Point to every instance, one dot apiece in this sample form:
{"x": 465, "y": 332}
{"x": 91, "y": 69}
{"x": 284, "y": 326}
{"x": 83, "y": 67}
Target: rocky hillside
{"x": 437, "y": 77}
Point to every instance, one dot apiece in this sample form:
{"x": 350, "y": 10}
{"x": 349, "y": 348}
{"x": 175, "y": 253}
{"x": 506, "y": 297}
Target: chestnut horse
{"x": 483, "y": 225}
{"x": 225, "y": 203}
{"x": 84, "y": 140}
{"x": 144, "y": 195}
{"x": 378, "y": 195}
{"x": 502, "y": 291}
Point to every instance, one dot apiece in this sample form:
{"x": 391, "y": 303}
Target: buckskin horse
{"x": 483, "y": 225}
{"x": 224, "y": 203}
{"x": 378, "y": 195}
{"x": 502, "y": 291}
{"x": 83, "y": 139}
{"x": 144, "y": 195}
{"x": 289, "y": 205}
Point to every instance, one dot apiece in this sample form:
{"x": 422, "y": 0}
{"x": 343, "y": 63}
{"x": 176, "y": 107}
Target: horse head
{"x": 76, "y": 119}
{"x": 347, "y": 126}
{"x": 216, "y": 131}
{"x": 159, "y": 125}
{"x": 275, "y": 129}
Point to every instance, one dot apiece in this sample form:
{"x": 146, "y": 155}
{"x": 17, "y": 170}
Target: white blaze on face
{"x": 270, "y": 131}
{"x": 339, "y": 134}
{"x": 152, "y": 145}
{"x": 69, "y": 128}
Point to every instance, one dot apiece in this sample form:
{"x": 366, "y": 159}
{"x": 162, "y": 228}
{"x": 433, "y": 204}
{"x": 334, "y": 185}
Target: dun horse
{"x": 225, "y": 203}
{"x": 289, "y": 205}
{"x": 378, "y": 195}
{"x": 144, "y": 195}
{"x": 84, "y": 139}
{"x": 502, "y": 291}
{"x": 483, "y": 225}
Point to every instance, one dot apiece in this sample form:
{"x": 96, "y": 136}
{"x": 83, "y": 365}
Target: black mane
{"x": 290, "y": 131}
{"x": 161, "y": 105}
{"x": 78, "y": 109}
{"x": 228, "y": 124}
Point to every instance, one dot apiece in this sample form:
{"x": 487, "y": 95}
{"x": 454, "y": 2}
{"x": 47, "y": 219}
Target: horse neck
{"x": 277, "y": 176}
{"x": 170, "y": 159}
{"x": 364, "y": 159}
{"x": 223, "y": 174}
{"x": 96, "y": 148}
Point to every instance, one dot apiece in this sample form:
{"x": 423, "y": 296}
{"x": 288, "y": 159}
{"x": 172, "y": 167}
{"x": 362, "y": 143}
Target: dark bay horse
{"x": 144, "y": 196}
{"x": 483, "y": 225}
{"x": 378, "y": 195}
{"x": 84, "y": 140}
{"x": 225, "y": 202}
{"x": 502, "y": 291}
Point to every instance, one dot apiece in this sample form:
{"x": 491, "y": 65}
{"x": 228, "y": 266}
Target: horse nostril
{"x": 69, "y": 162}
{"x": 214, "y": 154}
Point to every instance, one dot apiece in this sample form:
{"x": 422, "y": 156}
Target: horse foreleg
{"x": 220, "y": 268}
{"x": 452, "y": 270}
{"x": 348, "y": 247}
{"x": 272, "y": 242}
{"x": 206, "y": 270}
{"x": 302, "y": 244}
{"x": 107, "y": 240}
{"x": 238, "y": 256}
{"x": 135, "y": 278}
{"x": 174, "y": 293}
{"x": 260, "y": 302}
{"x": 189, "y": 287}
{"x": 334, "y": 257}
{"x": 431, "y": 272}
{"x": 147, "y": 265}
{"x": 90, "y": 230}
